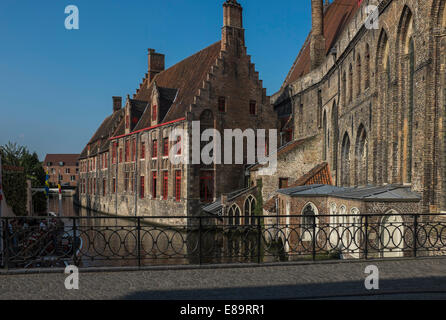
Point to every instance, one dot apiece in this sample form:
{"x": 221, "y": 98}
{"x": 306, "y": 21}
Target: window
{"x": 134, "y": 149}
{"x": 283, "y": 183}
{"x": 143, "y": 150}
{"x": 165, "y": 184}
{"x": 120, "y": 155}
{"x": 154, "y": 149}
{"x": 127, "y": 121}
{"x": 178, "y": 185}
{"x": 60, "y": 177}
{"x": 141, "y": 189}
{"x": 104, "y": 186}
{"x": 67, "y": 170}
{"x": 222, "y": 104}
{"x": 154, "y": 113}
{"x": 154, "y": 175}
{"x": 114, "y": 149}
{"x": 94, "y": 185}
{"x": 114, "y": 185}
{"x": 126, "y": 181}
{"x": 179, "y": 145}
{"x": 166, "y": 147}
{"x": 252, "y": 108}
{"x": 73, "y": 178}
{"x": 127, "y": 150}
{"x": 206, "y": 186}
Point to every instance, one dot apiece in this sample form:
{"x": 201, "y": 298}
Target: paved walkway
{"x": 424, "y": 278}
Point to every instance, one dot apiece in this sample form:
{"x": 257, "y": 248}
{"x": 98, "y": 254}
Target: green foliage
{"x": 14, "y": 183}
{"x": 258, "y": 210}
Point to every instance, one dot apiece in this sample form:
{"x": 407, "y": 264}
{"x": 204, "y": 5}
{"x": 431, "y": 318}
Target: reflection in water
{"x": 117, "y": 241}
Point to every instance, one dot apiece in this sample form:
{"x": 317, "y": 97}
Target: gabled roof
{"x": 98, "y": 142}
{"x": 285, "y": 149}
{"x": 186, "y": 77}
{"x": 318, "y": 175}
{"x": 68, "y": 159}
{"x": 336, "y": 18}
{"x": 166, "y": 98}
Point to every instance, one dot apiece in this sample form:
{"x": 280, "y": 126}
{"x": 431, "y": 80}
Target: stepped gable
{"x": 186, "y": 78}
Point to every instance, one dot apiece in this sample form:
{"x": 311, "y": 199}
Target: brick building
{"x": 361, "y": 107}
{"x": 62, "y": 168}
{"x": 125, "y": 167}
{"x": 371, "y": 101}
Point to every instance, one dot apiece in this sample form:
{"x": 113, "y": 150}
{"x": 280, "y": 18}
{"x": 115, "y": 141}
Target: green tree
{"x": 15, "y": 182}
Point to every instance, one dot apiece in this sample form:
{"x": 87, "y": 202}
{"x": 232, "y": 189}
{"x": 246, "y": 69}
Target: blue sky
{"x": 56, "y": 85}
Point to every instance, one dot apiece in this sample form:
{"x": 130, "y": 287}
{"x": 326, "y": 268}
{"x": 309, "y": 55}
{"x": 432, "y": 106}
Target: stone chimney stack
{"x": 156, "y": 64}
{"x": 233, "y": 34}
{"x": 317, "y": 47}
{"x": 117, "y": 104}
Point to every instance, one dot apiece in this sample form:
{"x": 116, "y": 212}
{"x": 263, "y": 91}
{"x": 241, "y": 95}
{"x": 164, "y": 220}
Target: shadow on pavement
{"x": 413, "y": 288}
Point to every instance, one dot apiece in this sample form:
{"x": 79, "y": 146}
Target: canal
{"x": 119, "y": 241}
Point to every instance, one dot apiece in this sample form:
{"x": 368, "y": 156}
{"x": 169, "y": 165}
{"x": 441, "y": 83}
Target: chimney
{"x": 317, "y": 46}
{"x": 233, "y": 34}
{"x": 156, "y": 64}
{"x": 117, "y": 104}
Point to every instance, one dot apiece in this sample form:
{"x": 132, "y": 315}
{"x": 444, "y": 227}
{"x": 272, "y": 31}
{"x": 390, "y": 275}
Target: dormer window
{"x": 252, "y": 107}
{"x": 154, "y": 113}
{"x": 222, "y": 104}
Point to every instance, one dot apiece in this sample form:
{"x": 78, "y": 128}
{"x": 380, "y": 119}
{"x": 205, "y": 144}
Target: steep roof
{"x": 98, "y": 142}
{"x": 186, "y": 78}
{"x": 69, "y": 159}
{"x": 336, "y": 18}
{"x": 318, "y": 175}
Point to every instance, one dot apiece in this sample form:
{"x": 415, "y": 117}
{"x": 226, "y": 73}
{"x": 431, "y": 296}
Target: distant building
{"x": 62, "y": 168}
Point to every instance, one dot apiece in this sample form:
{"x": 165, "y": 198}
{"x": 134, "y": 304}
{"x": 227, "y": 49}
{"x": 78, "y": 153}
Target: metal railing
{"x": 146, "y": 241}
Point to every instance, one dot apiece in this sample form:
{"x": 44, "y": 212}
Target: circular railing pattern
{"x": 82, "y": 240}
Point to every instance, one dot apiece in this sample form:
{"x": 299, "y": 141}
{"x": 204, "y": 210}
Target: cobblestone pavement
{"x": 424, "y": 278}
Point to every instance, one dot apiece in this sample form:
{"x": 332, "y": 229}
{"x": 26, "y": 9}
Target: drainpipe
{"x": 137, "y": 173}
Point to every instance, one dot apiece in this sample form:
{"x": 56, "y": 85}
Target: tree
{"x": 15, "y": 182}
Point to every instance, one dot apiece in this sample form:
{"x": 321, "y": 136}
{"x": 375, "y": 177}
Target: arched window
{"x": 392, "y": 235}
{"x": 384, "y": 116}
{"x": 367, "y": 66}
{"x": 345, "y": 161}
{"x": 344, "y": 88}
{"x": 350, "y": 83}
{"x": 309, "y": 221}
{"x": 324, "y": 125}
{"x": 359, "y": 75}
{"x": 250, "y": 204}
{"x": 361, "y": 157}
{"x": 234, "y": 215}
{"x": 335, "y": 135}
{"x": 405, "y": 47}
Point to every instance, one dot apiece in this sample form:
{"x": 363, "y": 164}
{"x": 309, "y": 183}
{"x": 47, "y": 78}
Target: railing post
{"x": 259, "y": 240}
{"x": 138, "y": 239}
{"x": 199, "y": 241}
{"x": 415, "y": 234}
{"x": 366, "y": 237}
{"x": 75, "y": 241}
{"x": 313, "y": 240}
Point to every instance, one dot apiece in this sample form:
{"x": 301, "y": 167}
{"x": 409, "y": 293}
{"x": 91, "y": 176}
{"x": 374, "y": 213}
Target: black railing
{"x": 145, "y": 241}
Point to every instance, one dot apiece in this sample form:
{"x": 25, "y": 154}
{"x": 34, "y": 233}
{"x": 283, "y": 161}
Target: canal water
{"x": 113, "y": 241}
